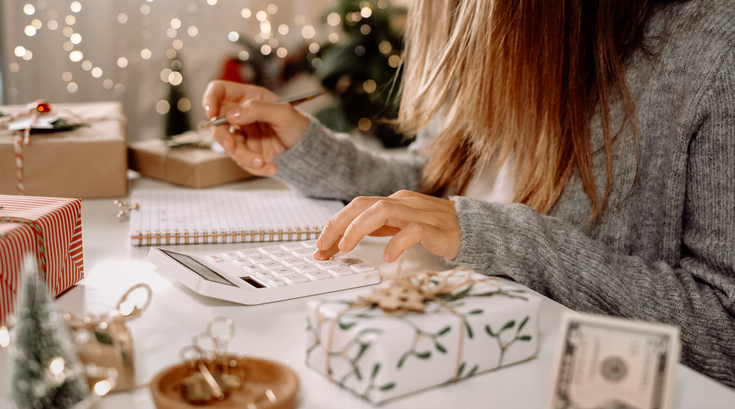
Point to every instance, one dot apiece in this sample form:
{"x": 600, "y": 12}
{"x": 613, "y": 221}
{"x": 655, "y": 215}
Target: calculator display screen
{"x": 197, "y": 268}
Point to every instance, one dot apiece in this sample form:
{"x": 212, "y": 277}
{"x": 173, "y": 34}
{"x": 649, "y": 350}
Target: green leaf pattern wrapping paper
{"x": 380, "y": 356}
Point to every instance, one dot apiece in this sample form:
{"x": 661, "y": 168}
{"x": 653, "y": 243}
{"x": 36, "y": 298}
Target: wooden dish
{"x": 261, "y": 374}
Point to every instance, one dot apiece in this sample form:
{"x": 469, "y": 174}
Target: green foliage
{"x": 40, "y": 338}
{"x": 357, "y": 58}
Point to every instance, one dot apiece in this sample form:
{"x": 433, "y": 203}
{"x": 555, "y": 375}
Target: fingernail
{"x": 206, "y": 108}
{"x": 342, "y": 245}
{"x": 272, "y": 171}
{"x": 235, "y": 114}
{"x": 319, "y": 244}
{"x": 257, "y": 162}
{"x": 386, "y": 257}
{"x": 317, "y": 253}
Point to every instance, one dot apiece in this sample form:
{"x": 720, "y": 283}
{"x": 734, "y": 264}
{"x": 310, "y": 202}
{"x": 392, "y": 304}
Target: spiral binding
{"x": 221, "y": 236}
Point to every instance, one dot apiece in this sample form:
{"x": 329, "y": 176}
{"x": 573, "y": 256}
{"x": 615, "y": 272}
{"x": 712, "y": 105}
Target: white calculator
{"x": 266, "y": 274}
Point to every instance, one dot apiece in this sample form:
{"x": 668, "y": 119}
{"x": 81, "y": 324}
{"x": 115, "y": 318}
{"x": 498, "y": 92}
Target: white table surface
{"x": 277, "y": 331}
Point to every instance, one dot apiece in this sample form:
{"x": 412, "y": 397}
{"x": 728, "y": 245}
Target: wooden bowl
{"x": 261, "y": 374}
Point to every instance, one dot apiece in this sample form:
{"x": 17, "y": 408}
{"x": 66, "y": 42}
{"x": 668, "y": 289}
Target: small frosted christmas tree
{"x": 47, "y": 373}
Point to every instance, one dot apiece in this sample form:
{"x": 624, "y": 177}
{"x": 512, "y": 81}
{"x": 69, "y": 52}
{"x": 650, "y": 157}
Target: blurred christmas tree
{"x": 46, "y": 372}
{"x": 177, "y": 118}
{"x": 360, "y": 71}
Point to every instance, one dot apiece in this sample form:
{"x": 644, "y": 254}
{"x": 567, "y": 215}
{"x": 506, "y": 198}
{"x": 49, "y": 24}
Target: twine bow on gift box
{"x": 409, "y": 292}
{"x": 104, "y": 343}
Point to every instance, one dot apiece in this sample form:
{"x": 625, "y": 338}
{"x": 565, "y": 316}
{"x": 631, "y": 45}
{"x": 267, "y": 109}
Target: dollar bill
{"x": 605, "y": 363}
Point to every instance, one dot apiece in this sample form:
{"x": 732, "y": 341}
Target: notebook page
{"x": 211, "y": 211}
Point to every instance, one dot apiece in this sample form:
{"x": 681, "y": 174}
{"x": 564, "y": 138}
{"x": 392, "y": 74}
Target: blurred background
{"x": 157, "y": 56}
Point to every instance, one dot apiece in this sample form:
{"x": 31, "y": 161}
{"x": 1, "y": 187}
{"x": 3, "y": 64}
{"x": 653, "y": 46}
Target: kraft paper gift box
{"x": 380, "y": 356}
{"x": 50, "y": 229}
{"x": 90, "y": 161}
{"x": 192, "y": 167}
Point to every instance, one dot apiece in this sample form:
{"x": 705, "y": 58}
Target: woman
{"x": 602, "y": 133}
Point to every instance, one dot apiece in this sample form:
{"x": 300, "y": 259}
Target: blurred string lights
{"x": 270, "y": 38}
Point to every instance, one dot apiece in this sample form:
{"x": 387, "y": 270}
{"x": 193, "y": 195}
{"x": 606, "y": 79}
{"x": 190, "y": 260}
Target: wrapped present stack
{"x": 65, "y": 161}
{"x": 421, "y": 331}
{"x": 48, "y": 228}
{"x": 184, "y": 160}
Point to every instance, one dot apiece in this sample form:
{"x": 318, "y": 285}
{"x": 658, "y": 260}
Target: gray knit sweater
{"x": 663, "y": 248}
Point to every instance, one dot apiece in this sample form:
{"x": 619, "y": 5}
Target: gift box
{"x": 479, "y": 326}
{"x": 50, "y": 229}
{"x": 90, "y": 161}
{"x": 192, "y": 167}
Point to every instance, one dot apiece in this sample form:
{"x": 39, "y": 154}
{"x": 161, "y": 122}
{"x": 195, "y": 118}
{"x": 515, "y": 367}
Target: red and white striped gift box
{"x": 48, "y": 227}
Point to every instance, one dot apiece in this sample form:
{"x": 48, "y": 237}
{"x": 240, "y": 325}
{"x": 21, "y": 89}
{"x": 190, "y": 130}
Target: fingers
{"x": 433, "y": 238}
{"x": 383, "y": 213}
{"x": 326, "y": 253}
{"x": 246, "y": 157}
{"x": 219, "y": 92}
{"x": 286, "y": 122}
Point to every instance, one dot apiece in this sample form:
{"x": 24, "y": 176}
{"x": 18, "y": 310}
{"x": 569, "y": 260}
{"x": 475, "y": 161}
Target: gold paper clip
{"x": 294, "y": 100}
{"x": 125, "y": 208}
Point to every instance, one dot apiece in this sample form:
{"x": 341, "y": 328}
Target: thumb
{"x": 288, "y": 123}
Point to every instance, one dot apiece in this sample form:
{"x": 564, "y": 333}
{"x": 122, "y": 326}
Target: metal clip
{"x": 125, "y": 208}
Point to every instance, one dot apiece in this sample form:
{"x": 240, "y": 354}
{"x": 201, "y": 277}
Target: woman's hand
{"x": 409, "y": 217}
{"x": 267, "y": 127}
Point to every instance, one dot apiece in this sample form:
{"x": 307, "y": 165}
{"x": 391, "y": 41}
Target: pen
{"x": 294, "y": 100}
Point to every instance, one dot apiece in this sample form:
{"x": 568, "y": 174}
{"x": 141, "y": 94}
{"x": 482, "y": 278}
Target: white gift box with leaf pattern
{"x": 479, "y": 327}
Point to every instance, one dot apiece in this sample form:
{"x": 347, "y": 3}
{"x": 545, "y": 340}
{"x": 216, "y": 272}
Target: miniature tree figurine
{"x": 47, "y": 373}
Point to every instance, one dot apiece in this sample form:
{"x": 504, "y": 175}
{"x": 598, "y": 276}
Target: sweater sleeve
{"x": 561, "y": 262}
{"x": 322, "y": 164}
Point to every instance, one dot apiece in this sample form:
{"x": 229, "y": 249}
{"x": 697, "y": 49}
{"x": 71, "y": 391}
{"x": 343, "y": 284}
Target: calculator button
{"x": 306, "y": 268}
{"x": 265, "y": 275}
{"x": 291, "y": 246}
{"x": 341, "y": 271}
{"x": 230, "y": 256}
{"x": 283, "y": 271}
{"x": 281, "y": 254}
{"x": 259, "y": 258}
{"x": 270, "y": 249}
{"x": 318, "y": 275}
{"x": 271, "y": 264}
{"x": 303, "y": 251}
{"x": 250, "y": 267}
{"x": 215, "y": 258}
{"x": 293, "y": 261}
{"x": 325, "y": 264}
{"x": 239, "y": 261}
{"x": 295, "y": 279}
{"x": 309, "y": 243}
{"x": 249, "y": 252}
{"x": 348, "y": 259}
{"x": 363, "y": 268}
{"x": 276, "y": 282}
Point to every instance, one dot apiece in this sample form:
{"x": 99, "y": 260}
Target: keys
{"x": 293, "y": 261}
{"x": 341, "y": 271}
{"x": 303, "y": 251}
{"x": 249, "y": 252}
{"x": 317, "y": 274}
{"x": 348, "y": 259}
{"x": 295, "y": 279}
{"x": 280, "y": 254}
{"x": 363, "y": 268}
{"x": 291, "y": 246}
{"x": 325, "y": 264}
{"x": 283, "y": 271}
{"x": 250, "y": 268}
{"x": 277, "y": 282}
{"x": 259, "y": 259}
{"x": 271, "y": 249}
{"x": 215, "y": 258}
{"x": 230, "y": 256}
{"x": 269, "y": 265}
{"x": 239, "y": 261}
{"x": 262, "y": 274}
{"x": 306, "y": 268}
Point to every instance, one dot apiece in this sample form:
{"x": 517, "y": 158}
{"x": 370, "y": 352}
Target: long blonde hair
{"x": 521, "y": 77}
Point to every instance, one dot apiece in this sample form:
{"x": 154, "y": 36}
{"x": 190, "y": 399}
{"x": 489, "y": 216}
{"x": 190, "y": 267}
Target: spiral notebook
{"x": 168, "y": 217}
